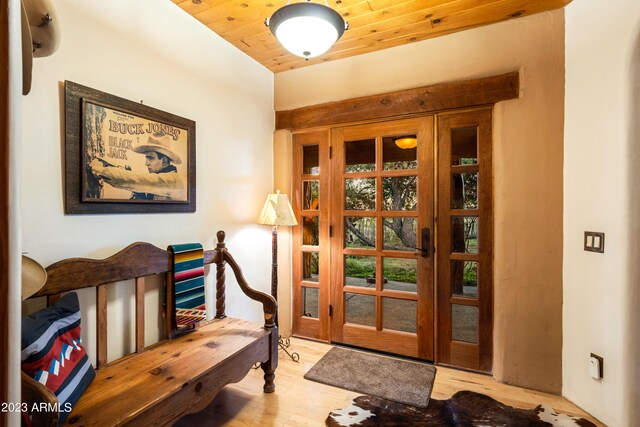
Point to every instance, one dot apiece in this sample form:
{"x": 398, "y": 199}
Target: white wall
{"x": 602, "y": 149}
{"x": 12, "y": 367}
{"x": 527, "y": 166}
{"x": 152, "y": 51}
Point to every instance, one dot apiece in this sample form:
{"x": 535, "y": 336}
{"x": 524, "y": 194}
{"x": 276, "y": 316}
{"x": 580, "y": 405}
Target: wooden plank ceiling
{"x": 373, "y": 24}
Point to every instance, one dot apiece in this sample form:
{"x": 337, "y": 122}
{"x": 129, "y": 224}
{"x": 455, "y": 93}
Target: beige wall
{"x": 282, "y": 164}
{"x": 528, "y": 157}
{"x": 153, "y": 52}
{"x": 602, "y": 145}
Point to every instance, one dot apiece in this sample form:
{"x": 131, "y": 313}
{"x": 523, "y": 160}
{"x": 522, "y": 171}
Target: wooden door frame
{"x": 438, "y": 98}
{"x": 4, "y": 208}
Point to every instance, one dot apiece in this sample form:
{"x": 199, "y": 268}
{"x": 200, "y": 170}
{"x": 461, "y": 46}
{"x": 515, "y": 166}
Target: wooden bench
{"x": 158, "y": 384}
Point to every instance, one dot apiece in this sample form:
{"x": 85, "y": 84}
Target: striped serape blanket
{"x": 188, "y": 285}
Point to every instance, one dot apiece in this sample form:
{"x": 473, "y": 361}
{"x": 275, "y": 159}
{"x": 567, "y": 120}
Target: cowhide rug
{"x": 463, "y": 409}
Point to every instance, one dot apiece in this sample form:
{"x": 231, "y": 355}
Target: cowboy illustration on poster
{"x": 130, "y": 158}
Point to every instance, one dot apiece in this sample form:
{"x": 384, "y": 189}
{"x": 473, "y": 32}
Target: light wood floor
{"x": 299, "y": 402}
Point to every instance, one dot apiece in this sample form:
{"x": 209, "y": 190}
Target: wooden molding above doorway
{"x": 426, "y": 99}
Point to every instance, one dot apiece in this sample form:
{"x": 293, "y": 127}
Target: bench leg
{"x": 269, "y": 376}
{"x": 269, "y": 367}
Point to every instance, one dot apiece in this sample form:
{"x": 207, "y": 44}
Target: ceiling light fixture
{"x": 407, "y": 142}
{"x": 306, "y": 29}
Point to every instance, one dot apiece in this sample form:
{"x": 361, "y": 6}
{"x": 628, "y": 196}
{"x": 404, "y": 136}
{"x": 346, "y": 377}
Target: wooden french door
{"x": 382, "y": 219}
{"x": 374, "y": 202}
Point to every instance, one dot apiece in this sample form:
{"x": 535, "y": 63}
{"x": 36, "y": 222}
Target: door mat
{"x": 395, "y": 379}
{"x": 463, "y": 409}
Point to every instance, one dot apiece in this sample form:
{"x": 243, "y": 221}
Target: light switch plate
{"x": 594, "y": 241}
{"x": 594, "y": 368}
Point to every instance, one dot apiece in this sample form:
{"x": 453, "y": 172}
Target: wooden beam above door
{"x": 426, "y": 99}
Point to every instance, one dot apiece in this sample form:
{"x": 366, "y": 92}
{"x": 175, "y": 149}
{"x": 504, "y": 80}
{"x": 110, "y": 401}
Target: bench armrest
{"x": 34, "y": 393}
{"x": 269, "y": 304}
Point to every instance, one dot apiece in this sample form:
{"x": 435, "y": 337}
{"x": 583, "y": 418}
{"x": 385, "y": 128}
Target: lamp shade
{"x": 277, "y": 211}
{"x": 306, "y": 29}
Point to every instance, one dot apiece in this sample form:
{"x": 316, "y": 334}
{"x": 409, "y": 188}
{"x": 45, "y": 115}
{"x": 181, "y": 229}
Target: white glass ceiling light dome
{"x": 306, "y": 29}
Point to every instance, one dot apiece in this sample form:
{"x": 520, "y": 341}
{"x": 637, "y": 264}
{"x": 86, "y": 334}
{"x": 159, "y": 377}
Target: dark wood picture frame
{"x": 81, "y": 196}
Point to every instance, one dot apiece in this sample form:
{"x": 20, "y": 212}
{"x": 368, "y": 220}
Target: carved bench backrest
{"x": 136, "y": 261}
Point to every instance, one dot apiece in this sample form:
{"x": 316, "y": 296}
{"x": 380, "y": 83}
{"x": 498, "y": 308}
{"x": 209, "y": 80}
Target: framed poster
{"x": 125, "y": 157}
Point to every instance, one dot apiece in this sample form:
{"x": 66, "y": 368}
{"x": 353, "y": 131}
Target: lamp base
{"x": 284, "y": 344}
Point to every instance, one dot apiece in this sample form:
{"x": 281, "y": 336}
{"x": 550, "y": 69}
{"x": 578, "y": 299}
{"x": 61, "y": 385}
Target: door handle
{"x": 426, "y": 242}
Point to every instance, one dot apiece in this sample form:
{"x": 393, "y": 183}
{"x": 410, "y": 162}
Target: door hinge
{"x": 330, "y": 310}
{"x": 331, "y": 231}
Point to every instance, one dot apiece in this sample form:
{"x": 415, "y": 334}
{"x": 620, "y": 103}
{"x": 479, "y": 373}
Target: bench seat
{"x": 168, "y": 380}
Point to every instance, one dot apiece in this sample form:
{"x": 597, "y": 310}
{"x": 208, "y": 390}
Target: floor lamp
{"x": 277, "y": 211}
